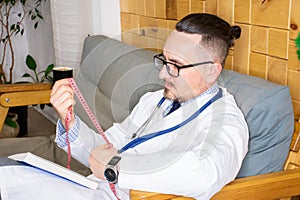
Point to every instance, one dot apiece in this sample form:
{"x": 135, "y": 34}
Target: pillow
{"x": 268, "y": 111}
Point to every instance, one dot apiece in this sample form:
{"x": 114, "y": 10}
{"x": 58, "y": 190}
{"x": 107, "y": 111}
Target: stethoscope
{"x": 145, "y": 124}
{"x": 139, "y": 140}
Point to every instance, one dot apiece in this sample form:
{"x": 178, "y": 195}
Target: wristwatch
{"x": 111, "y": 171}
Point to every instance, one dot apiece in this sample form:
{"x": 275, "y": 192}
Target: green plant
{"x": 12, "y": 15}
{"x": 38, "y": 77}
{"x": 10, "y": 122}
{"x": 297, "y": 42}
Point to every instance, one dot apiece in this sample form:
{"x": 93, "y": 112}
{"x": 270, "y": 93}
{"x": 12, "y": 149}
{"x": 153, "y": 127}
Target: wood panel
{"x": 270, "y": 13}
{"x": 277, "y": 70}
{"x": 241, "y": 50}
{"x": 163, "y": 30}
{"x": 295, "y": 19}
{"x": 293, "y": 83}
{"x": 183, "y": 8}
{"x": 141, "y": 8}
{"x": 160, "y": 9}
{"x": 226, "y": 10}
{"x": 259, "y": 39}
{"x": 278, "y": 43}
{"x": 229, "y": 60}
{"x": 124, "y": 6}
{"x": 125, "y": 21}
{"x": 171, "y": 9}
{"x": 150, "y": 8}
{"x": 132, "y": 6}
{"x": 258, "y": 65}
{"x": 148, "y": 26}
{"x": 242, "y": 11}
{"x": 211, "y": 6}
{"x": 197, "y": 6}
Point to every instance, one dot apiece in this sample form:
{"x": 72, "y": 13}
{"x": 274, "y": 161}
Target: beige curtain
{"x": 73, "y": 20}
{"x": 70, "y": 23}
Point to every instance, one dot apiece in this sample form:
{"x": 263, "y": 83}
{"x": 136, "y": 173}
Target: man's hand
{"x": 62, "y": 97}
{"x": 99, "y": 158}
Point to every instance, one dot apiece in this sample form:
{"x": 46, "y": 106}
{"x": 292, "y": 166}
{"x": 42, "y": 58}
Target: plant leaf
{"x": 36, "y": 25}
{"x": 297, "y": 42}
{"x": 12, "y": 27}
{"x": 30, "y": 62}
{"x": 49, "y": 68}
{"x": 10, "y": 122}
{"x": 26, "y": 75}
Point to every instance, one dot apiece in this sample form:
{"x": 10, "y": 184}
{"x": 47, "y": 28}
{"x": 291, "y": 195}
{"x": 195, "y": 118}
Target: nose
{"x": 163, "y": 74}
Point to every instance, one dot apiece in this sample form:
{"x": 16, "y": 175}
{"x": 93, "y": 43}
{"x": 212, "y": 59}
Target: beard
{"x": 169, "y": 95}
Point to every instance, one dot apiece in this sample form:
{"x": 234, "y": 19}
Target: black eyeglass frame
{"x": 165, "y": 63}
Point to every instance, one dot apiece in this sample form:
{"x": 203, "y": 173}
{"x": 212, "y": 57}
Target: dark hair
{"x": 217, "y": 34}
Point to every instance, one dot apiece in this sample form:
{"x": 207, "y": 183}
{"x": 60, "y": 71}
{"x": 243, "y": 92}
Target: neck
{"x": 211, "y": 89}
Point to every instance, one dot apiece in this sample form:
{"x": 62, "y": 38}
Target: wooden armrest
{"x": 25, "y": 98}
{"x": 4, "y": 88}
{"x": 295, "y": 143}
{"x": 266, "y": 186}
{"x": 21, "y": 95}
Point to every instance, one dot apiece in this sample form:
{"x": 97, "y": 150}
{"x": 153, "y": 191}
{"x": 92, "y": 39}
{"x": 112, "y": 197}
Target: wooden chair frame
{"x": 21, "y": 95}
{"x": 275, "y": 185}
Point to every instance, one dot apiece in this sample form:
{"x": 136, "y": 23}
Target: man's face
{"x": 183, "y": 49}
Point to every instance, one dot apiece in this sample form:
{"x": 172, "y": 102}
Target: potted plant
{"x": 12, "y": 15}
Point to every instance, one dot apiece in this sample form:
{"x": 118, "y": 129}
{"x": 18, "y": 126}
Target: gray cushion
{"x": 114, "y": 75}
{"x": 268, "y": 110}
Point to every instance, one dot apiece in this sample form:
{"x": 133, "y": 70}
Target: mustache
{"x": 169, "y": 83}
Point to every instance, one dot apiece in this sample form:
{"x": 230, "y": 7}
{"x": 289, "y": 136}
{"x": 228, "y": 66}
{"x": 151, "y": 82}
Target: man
{"x": 192, "y": 150}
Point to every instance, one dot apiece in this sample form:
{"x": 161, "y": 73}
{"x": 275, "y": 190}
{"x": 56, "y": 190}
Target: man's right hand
{"x": 62, "y": 97}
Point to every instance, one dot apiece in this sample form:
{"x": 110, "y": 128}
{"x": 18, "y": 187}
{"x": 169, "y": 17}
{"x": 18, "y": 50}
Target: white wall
{"x": 108, "y": 13}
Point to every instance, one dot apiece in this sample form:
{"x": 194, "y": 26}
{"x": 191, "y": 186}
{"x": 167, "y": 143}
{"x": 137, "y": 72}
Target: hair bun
{"x": 236, "y": 32}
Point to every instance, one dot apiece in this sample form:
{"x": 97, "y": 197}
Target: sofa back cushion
{"x": 268, "y": 110}
{"x": 113, "y": 76}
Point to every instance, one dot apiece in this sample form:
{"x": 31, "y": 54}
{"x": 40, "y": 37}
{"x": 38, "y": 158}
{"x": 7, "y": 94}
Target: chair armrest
{"x": 266, "y": 186}
{"x": 4, "y": 88}
{"x": 21, "y": 95}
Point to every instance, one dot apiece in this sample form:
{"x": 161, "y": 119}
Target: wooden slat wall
{"x": 266, "y": 48}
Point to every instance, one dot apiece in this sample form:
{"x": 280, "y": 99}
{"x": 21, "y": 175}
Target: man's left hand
{"x": 99, "y": 158}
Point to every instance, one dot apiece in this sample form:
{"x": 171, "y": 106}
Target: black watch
{"x": 111, "y": 172}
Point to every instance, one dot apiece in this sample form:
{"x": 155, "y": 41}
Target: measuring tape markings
{"x": 93, "y": 119}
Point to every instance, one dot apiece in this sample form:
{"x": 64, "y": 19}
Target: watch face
{"x": 110, "y": 175}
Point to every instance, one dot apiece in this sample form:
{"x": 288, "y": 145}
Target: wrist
{"x": 111, "y": 171}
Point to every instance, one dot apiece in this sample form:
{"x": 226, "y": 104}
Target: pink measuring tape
{"x": 93, "y": 119}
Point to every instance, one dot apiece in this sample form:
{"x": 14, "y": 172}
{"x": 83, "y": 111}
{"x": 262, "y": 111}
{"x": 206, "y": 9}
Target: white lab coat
{"x": 195, "y": 160}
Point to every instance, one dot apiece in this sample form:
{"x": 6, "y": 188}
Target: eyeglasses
{"x": 172, "y": 68}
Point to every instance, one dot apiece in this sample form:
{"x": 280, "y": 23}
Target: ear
{"x": 214, "y": 71}
{"x": 218, "y": 67}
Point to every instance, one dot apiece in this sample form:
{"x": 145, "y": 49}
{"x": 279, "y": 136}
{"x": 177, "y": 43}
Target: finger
{"x": 59, "y": 83}
{"x": 108, "y": 146}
